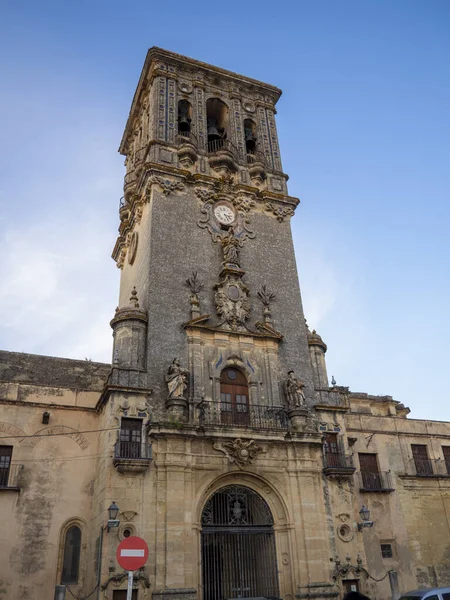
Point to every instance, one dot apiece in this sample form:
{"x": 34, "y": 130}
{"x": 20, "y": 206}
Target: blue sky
{"x": 364, "y": 126}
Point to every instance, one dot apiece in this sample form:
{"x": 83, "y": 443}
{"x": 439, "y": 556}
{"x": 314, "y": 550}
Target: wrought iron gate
{"x": 238, "y": 546}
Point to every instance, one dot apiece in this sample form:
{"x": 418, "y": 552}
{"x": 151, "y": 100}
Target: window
{"x": 421, "y": 460}
{"x": 71, "y": 558}
{"x": 370, "y": 474}
{"x": 234, "y": 406}
{"x": 331, "y": 443}
{"x": 446, "y": 451}
{"x": 130, "y": 438}
{"x": 5, "y": 464}
{"x": 386, "y": 551}
{"x": 122, "y": 595}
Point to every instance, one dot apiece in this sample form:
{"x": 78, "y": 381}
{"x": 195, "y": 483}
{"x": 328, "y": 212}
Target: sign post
{"x": 132, "y": 554}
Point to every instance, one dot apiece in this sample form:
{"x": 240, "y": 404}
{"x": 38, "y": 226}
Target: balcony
{"x": 132, "y": 457}
{"x": 223, "y": 155}
{"x": 427, "y": 467}
{"x": 246, "y": 416}
{"x": 10, "y": 477}
{"x": 338, "y": 465}
{"x": 375, "y": 481}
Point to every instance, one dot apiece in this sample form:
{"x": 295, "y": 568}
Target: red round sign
{"x": 132, "y": 553}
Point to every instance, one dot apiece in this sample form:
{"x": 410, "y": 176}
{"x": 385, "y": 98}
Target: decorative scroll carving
{"x": 240, "y": 452}
{"x": 167, "y": 185}
{"x": 281, "y": 212}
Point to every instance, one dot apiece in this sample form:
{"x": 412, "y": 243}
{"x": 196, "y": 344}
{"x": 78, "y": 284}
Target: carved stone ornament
{"x": 241, "y": 225}
{"x": 167, "y": 185}
{"x": 281, "y": 212}
{"x": 244, "y": 203}
{"x": 231, "y": 300}
{"x": 240, "y": 452}
{"x": 195, "y": 285}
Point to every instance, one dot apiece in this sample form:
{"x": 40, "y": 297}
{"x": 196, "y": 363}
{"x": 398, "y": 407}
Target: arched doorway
{"x": 238, "y": 546}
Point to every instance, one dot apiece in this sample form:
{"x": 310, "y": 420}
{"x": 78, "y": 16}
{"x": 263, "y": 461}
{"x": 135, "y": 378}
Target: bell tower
{"x": 205, "y": 197}
{"x": 212, "y": 386}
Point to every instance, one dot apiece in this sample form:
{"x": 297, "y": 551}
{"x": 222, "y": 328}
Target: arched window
{"x": 234, "y": 405}
{"x": 238, "y": 546}
{"x": 217, "y": 120}
{"x": 250, "y": 136}
{"x": 71, "y": 557}
{"x": 184, "y": 118}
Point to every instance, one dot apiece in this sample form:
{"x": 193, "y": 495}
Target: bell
{"x": 250, "y": 140}
{"x": 184, "y": 124}
{"x": 213, "y": 132}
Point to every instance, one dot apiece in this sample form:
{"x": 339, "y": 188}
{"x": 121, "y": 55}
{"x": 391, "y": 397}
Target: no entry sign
{"x": 132, "y": 553}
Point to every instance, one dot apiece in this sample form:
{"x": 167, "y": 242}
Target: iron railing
{"x": 133, "y": 450}
{"x": 254, "y": 156}
{"x": 220, "y": 144}
{"x": 337, "y": 460}
{"x": 186, "y": 137}
{"x": 428, "y": 467}
{"x": 371, "y": 481}
{"x": 9, "y": 477}
{"x": 247, "y": 415}
{"x": 130, "y": 177}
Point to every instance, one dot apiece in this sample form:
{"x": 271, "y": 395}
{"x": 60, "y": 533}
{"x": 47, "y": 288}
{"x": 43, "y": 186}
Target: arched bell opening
{"x": 184, "y": 118}
{"x": 217, "y": 116}
{"x": 238, "y": 546}
{"x": 250, "y": 136}
{"x": 234, "y": 397}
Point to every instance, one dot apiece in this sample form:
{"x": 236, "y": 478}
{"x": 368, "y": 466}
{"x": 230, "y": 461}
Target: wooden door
{"x": 370, "y": 474}
{"x": 421, "y": 460}
{"x": 130, "y": 438}
{"x": 234, "y": 406}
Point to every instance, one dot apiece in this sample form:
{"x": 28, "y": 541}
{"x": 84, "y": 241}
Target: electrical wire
{"x": 72, "y": 432}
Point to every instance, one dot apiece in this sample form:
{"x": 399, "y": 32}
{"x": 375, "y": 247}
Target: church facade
{"x": 215, "y": 429}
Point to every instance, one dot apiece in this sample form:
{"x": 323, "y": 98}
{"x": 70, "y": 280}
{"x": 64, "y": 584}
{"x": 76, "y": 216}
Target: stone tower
{"x": 205, "y": 193}
{"x": 214, "y": 368}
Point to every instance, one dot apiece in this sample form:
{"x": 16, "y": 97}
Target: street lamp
{"x": 113, "y": 521}
{"x": 364, "y": 513}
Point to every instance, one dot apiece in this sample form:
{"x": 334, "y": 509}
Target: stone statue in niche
{"x": 176, "y": 379}
{"x": 230, "y": 247}
{"x": 293, "y": 390}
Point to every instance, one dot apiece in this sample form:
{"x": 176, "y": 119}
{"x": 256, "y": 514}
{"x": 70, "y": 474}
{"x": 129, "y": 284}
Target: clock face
{"x": 224, "y": 214}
